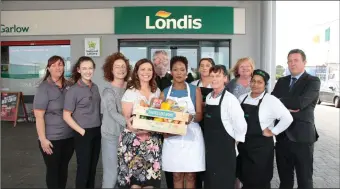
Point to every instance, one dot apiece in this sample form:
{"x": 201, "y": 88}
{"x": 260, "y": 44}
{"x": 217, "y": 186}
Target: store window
{"x": 28, "y": 59}
{"x": 194, "y": 50}
{"x": 23, "y": 64}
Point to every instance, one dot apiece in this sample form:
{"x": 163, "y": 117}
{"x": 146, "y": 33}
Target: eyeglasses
{"x": 164, "y": 61}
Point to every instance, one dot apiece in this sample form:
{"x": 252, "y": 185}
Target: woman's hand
{"x": 47, "y": 146}
{"x": 129, "y": 125}
{"x": 136, "y": 131}
{"x": 190, "y": 119}
{"x": 82, "y": 132}
{"x": 267, "y": 133}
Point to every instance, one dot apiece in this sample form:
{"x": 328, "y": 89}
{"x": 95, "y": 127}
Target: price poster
{"x": 10, "y": 103}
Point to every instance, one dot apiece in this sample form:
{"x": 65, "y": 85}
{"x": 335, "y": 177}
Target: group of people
{"x": 231, "y": 133}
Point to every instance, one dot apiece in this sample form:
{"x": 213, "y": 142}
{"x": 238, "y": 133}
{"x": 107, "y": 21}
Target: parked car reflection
{"x": 329, "y": 92}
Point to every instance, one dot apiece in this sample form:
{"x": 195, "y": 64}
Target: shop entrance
{"x": 194, "y": 50}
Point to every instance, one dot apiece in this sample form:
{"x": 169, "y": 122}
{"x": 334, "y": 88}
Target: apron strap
{"x": 222, "y": 96}
{"x": 258, "y": 105}
{"x": 261, "y": 99}
{"x": 170, "y": 89}
{"x": 188, "y": 89}
{"x": 244, "y": 99}
{"x": 198, "y": 83}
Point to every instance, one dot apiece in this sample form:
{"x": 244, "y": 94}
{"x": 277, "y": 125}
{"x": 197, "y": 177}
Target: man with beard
{"x": 162, "y": 67}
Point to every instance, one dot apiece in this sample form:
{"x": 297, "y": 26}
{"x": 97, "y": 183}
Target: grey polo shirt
{"x": 84, "y": 103}
{"x": 50, "y": 98}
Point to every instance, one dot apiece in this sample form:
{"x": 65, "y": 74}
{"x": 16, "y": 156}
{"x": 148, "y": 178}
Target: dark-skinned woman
{"x": 256, "y": 155}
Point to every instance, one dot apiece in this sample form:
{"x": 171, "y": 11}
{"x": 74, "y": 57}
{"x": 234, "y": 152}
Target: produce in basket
{"x": 156, "y": 103}
{"x": 165, "y": 106}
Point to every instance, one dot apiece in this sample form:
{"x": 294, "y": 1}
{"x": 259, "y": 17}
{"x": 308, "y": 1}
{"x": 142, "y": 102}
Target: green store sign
{"x": 174, "y": 20}
{"x": 14, "y": 29}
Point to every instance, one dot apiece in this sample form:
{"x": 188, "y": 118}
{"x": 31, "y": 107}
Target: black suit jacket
{"x": 302, "y": 96}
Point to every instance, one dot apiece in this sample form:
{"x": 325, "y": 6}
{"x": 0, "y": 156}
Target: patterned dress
{"x": 139, "y": 156}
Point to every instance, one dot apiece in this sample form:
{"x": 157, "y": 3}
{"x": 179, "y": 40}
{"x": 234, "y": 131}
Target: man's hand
{"x": 294, "y": 111}
{"x": 267, "y": 133}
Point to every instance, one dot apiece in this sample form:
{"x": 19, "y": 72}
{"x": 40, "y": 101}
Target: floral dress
{"x": 139, "y": 156}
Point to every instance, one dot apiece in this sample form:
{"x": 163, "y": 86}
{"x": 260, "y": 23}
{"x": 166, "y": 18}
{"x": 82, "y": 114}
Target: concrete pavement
{"x": 22, "y": 165}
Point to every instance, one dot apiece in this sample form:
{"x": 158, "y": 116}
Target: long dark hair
{"x": 75, "y": 74}
{"x": 52, "y": 60}
{"x": 135, "y": 82}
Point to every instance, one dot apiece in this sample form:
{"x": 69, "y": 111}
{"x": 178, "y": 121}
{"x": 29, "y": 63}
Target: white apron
{"x": 184, "y": 153}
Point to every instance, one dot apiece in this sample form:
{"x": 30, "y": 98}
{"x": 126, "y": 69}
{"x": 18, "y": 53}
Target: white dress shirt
{"x": 232, "y": 115}
{"x": 270, "y": 109}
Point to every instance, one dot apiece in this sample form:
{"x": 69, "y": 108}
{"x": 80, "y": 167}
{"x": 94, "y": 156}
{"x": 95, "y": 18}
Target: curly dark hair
{"x": 108, "y": 66}
{"x": 135, "y": 82}
{"x": 75, "y": 74}
{"x": 176, "y": 59}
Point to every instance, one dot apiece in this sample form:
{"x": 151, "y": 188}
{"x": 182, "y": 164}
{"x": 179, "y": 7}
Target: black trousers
{"x": 87, "y": 151}
{"x": 265, "y": 186}
{"x": 57, "y": 163}
{"x": 299, "y": 156}
{"x": 170, "y": 182}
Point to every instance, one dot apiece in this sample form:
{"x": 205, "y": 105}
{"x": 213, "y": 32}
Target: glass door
{"x": 192, "y": 54}
{"x": 153, "y": 51}
{"x": 194, "y": 50}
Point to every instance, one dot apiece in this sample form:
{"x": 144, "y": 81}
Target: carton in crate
{"x": 163, "y": 127}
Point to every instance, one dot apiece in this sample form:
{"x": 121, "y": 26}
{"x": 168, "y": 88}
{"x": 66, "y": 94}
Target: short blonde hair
{"x": 234, "y": 70}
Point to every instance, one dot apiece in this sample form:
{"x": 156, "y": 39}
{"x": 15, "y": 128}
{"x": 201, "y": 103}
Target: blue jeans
{"x": 109, "y": 157}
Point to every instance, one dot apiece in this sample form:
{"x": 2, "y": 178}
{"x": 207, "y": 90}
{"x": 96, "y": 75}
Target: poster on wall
{"x": 92, "y": 47}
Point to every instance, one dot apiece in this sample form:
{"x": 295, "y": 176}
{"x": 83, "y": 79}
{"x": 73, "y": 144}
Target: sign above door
{"x": 179, "y": 20}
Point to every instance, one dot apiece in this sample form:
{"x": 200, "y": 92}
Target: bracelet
{"x": 193, "y": 118}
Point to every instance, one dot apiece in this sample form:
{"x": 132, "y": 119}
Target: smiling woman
{"x": 82, "y": 114}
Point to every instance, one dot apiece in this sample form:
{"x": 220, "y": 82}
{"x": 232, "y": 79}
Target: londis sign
{"x": 176, "y": 20}
{"x": 164, "y": 22}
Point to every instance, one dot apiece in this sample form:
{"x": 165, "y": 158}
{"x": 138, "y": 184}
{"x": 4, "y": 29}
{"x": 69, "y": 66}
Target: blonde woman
{"x": 242, "y": 71}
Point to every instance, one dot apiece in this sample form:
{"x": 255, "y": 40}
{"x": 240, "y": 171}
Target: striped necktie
{"x": 293, "y": 81}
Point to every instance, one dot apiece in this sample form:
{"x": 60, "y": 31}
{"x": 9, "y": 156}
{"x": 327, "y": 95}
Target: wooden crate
{"x": 163, "y": 127}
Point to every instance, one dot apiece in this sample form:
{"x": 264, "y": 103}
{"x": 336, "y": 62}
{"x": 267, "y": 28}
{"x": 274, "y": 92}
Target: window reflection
{"x": 134, "y": 53}
{"x": 27, "y": 62}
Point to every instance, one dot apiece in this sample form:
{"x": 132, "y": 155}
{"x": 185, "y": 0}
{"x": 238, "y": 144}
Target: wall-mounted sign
{"x": 179, "y": 20}
{"x": 56, "y": 22}
{"x": 14, "y": 29}
{"x": 92, "y": 47}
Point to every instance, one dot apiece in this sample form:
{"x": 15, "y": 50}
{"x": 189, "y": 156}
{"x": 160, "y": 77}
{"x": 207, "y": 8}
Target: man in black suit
{"x": 299, "y": 92}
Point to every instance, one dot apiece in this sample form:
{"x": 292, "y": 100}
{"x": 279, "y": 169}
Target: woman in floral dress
{"x": 139, "y": 153}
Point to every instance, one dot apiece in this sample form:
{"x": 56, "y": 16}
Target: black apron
{"x": 255, "y": 162}
{"x": 220, "y": 150}
{"x": 205, "y": 91}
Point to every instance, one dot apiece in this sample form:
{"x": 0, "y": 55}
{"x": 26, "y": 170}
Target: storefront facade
{"x": 223, "y": 30}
